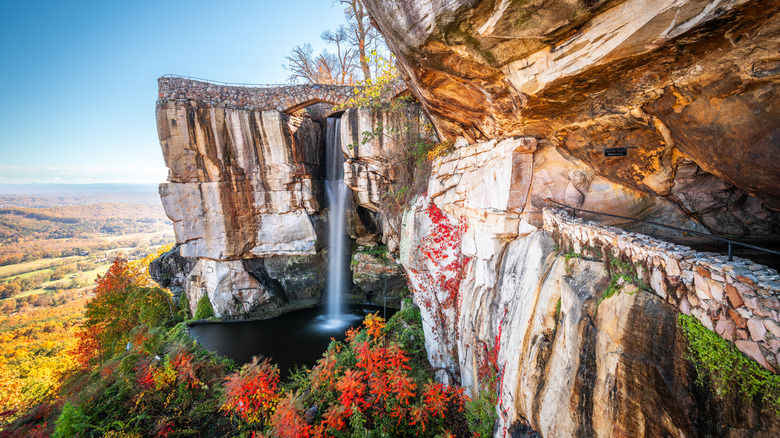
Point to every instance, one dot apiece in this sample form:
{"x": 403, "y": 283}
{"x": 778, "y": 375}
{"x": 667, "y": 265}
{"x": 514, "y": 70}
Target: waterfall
{"x": 337, "y": 194}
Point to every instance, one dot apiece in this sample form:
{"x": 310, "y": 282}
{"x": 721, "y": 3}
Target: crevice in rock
{"x": 586, "y": 379}
{"x": 256, "y": 269}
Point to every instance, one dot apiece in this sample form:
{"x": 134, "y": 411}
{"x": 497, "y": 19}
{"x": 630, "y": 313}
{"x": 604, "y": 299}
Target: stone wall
{"x": 283, "y": 98}
{"x": 737, "y": 299}
{"x": 279, "y": 97}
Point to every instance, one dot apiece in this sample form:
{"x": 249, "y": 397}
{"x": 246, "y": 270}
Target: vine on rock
{"x": 437, "y": 278}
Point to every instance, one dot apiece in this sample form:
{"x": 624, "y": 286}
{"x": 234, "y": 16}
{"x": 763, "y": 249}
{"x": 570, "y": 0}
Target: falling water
{"x": 337, "y": 193}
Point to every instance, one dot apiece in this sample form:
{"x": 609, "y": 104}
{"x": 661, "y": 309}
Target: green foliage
{"x": 164, "y": 382}
{"x": 405, "y": 329}
{"x": 184, "y": 307}
{"x": 558, "y": 309}
{"x": 730, "y": 372}
{"x": 71, "y": 422}
{"x": 622, "y": 273}
{"x": 204, "y": 309}
{"x": 570, "y": 255}
{"x": 379, "y": 250}
{"x": 481, "y": 412}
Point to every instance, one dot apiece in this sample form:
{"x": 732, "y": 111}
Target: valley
{"x": 52, "y": 249}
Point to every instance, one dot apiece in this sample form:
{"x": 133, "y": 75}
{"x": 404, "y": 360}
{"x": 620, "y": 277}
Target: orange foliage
{"x": 253, "y": 392}
{"x": 377, "y": 386}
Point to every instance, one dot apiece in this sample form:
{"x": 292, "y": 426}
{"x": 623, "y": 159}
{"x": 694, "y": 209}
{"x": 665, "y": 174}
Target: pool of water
{"x": 297, "y": 338}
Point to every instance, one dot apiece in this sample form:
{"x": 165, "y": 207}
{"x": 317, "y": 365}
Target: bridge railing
{"x": 232, "y": 84}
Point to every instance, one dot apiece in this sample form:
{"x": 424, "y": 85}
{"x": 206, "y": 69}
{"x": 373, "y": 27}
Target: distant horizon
{"x": 75, "y": 188}
{"x": 83, "y": 174}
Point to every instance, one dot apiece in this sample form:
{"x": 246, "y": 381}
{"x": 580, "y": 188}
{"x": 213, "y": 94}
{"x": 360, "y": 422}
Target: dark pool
{"x": 297, "y": 338}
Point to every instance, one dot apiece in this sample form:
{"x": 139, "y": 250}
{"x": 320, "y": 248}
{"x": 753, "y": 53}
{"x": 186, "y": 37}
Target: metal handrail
{"x": 238, "y": 84}
{"x": 671, "y": 227}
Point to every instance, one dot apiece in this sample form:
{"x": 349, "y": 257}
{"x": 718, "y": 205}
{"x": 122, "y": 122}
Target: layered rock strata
{"x": 689, "y": 87}
{"x": 245, "y": 193}
{"x": 243, "y": 185}
{"x": 377, "y": 144}
{"x": 485, "y": 270}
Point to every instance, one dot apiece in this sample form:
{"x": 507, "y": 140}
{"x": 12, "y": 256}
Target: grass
{"x": 87, "y": 277}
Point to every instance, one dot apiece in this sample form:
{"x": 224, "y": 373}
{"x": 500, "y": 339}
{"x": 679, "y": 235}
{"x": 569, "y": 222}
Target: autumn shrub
{"x": 366, "y": 387}
{"x": 121, "y": 303}
{"x": 163, "y": 385}
{"x": 253, "y": 392}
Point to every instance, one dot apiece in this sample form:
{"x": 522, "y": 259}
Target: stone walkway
{"x": 739, "y": 299}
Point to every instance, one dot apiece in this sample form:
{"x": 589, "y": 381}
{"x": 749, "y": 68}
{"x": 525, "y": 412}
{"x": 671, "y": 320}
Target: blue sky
{"x": 79, "y": 78}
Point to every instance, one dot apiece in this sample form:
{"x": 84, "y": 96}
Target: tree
{"x": 121, "y": 303}
{"x": 305, "y": 67}
{"x": 362, "y": 34}
{"x": 354, "y": 45}
{"x": 344, "y": 54}
{"x": 204, "y": 309}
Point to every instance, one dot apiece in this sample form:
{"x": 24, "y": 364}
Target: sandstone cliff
{"x": 692, "y": 85}
{"x": 246, "y": 195}
{"x": 533, "y": 93}
{"x": 571, "y": 360}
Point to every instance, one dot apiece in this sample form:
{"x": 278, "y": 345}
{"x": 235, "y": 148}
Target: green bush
{"x": 184, "y": 307}
{"x": 622, "y": 273}
{"x": 481, "y": 412}
{"x": 166, "y": 385}
{"x": 204, "y": 309}
{"x": 71, "y": 422}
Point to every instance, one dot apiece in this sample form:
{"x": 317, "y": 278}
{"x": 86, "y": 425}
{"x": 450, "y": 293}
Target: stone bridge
{"x": 285, "y": 98}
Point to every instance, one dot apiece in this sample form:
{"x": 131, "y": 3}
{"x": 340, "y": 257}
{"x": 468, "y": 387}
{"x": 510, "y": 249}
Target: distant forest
{"x": 33, "y": 233}
{"x": 67, "y": 199}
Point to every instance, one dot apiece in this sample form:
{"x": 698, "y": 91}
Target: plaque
{"x": 615, "y": 152}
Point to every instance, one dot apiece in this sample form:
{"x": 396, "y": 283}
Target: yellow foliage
{"x": 140, "y": 268}
{"x": 34, "y": 355}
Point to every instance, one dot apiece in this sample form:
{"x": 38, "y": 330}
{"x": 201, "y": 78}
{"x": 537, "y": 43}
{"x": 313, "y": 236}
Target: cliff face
{"x": 691, "y": 85}
{"x": 246, "y": 195}
{"x": 244, "y": 186}
{"x": 253, "y": 176}
{"x": 573, "y": 361}
{"x": 533, "y": 93}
